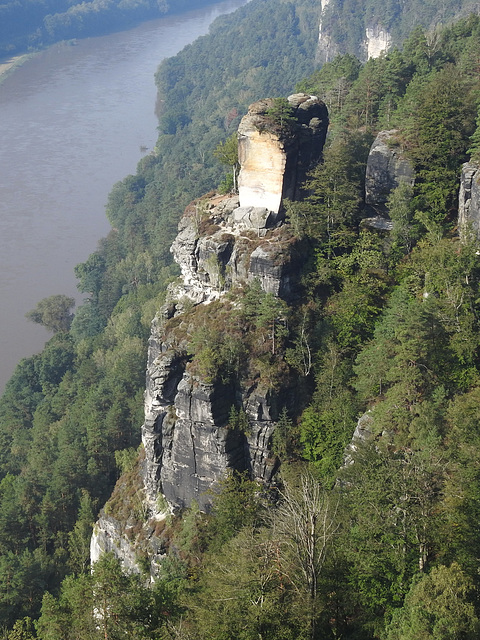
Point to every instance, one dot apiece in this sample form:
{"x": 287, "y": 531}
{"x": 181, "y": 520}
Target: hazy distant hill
{"x": 26, "y": 24}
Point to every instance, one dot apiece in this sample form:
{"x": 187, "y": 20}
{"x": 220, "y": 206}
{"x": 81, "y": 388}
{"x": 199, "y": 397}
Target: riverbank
{"x": 8, "y": 65}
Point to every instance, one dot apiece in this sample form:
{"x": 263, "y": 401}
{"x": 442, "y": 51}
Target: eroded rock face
{"x": 243, "y": 243}
{"x": 387, "y": 167}
{"x": 224, "y": 243}
{"x": 469, "y": 200}
{"x": 274, "y": 158}
{"x": 188, "y": 444}
{"x": 377, "y": 41}
{"x": 125, "y": 528}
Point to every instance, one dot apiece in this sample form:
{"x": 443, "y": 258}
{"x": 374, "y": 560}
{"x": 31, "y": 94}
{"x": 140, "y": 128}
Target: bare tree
{"x": 305, "y": 523}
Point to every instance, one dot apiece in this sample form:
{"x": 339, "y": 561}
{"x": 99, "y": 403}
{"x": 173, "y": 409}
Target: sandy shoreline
{"x": 7, "y": 65}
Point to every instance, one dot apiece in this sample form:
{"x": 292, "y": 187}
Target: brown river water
{"x": 73, "y": 121}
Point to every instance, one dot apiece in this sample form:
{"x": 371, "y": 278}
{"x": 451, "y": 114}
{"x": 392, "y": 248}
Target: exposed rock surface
{"x": 107, "y": 538}
{"x": 469, "y": 200}
{"x": 363, "y": 433}
{"x": 327, "y": 48}
{"x": 387, "y": 167}
{"x": 221, "y": 246}
{"x": 275, "y": 158}
{"x": 224, "y": 243}
{"x": 379, "y": 223}
{"x": 125, "y": 529}
{"x": 377, "y": 41}
{"x": 188, "y": 444}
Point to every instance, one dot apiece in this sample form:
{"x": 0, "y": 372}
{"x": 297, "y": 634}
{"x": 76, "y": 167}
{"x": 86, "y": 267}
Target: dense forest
{"x": 382, "y": 543}
{"x": 27, "y": 25}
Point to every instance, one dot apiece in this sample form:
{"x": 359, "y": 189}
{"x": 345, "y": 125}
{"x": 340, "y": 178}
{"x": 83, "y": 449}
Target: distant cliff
{"x": 368, "y": 30}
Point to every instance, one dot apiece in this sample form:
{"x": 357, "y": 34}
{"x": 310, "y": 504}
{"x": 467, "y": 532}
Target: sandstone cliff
{"x": 188, "y": 441}
{"x": 216, "y": 382}
{"x": 469, "y": 201}
{"x": 387, "y": 167}
{"x": 275, "y": 158}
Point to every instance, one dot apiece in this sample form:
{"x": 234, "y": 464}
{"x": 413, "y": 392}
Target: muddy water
{"x": 73, "y": 121}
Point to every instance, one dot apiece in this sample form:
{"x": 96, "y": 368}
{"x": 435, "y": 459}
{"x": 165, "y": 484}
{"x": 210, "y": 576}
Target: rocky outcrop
{"x": 327, "y": 48}
{"x": 189, "y": 443}
{"x": 125, "y": 528}
{"x": 221, "y": 245}
{"x": 387, "y": 167}
{"x": 469, "y": 201}
{"x": 377, "y": 41}
{"x": 224, "y": 243}
{"x": 363, "y": 433}
{"x": 275, "y": 156}
{"x": 199, "y": 425}
{"x": 108, "y": 537}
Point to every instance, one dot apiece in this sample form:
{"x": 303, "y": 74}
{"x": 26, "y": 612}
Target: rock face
{"x": 192, "y": 432}
{"x": 387, "y": 167}
{"x": 221, "y": 245}
{"x": 363, "y": 433}
{"x": 188, "y": 445}
{"x": 187, "y": 440}
{"x": 108, "y": 538}
{"x": 469, "y": 200}
{"x": 326, "y": 48}
{"x": 377, "y": 41}
{"x": 275, "y": 157}
{"x": 125, "y": 529}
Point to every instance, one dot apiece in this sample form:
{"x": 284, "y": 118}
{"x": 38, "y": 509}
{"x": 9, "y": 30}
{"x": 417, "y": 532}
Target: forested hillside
{"x": 67, "y": 411}
{"x": 385, "y": 545}
{"x": 348, "y": 24}
{"x": 28, "y": 25}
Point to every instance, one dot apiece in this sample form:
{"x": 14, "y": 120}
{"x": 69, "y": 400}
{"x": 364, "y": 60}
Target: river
{"x": 73, "y": 121}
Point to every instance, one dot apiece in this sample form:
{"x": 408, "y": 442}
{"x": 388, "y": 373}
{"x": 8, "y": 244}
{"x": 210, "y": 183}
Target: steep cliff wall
{"x": 215, "y": 383}
{"x": 327, "y": 48}
{"x": 387, "y": 167}
{"x": 275, "y": 156}
{"x": 378, "y": 41}
{"x": 469, "y": 201}
{"x": 188, "y": 440}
